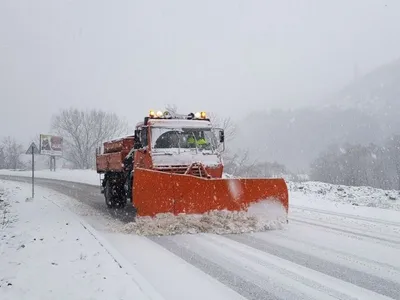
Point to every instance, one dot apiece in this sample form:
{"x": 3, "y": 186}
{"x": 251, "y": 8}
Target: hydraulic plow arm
{"x": 159, "y": 192}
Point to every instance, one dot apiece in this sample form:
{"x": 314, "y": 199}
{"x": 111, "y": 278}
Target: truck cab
{"x": 179, "y": 144}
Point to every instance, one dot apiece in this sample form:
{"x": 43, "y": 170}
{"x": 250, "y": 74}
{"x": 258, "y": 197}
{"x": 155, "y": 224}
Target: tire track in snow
{"x": 389, "y": 241}
{"x": 277, "y": 275}
{"x": 347, "y": 216}
{"x": 362, "y": 279}
{"x": 226, "y": 276}
{"x": 247, "y": 281}
{"x": 373, "y": 255}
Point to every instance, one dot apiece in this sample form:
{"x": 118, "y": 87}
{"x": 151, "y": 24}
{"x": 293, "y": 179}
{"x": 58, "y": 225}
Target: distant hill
{"x": 363, "y": 112}
{"x": 295, "y": 138}
{"x": 376, "y": 94}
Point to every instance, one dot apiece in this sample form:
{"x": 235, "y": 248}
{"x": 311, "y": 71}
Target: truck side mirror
{"x": 221, "y": 136}
{"x": 137, "y": 144}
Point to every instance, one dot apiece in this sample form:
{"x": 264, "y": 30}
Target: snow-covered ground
{"x": 329, "y": 250}
{"x": 46, "y": 252}
{"x": 49, "y": 252}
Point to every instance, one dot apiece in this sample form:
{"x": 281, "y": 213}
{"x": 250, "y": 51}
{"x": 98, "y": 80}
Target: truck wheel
{"x": 108, "y": 195}
{"x": 122, "y": 202}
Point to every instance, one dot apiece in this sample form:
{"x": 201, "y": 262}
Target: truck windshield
{"x": 202, "y": 139}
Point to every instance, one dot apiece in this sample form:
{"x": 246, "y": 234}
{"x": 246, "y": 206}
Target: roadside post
{"x": 33, "y": 149}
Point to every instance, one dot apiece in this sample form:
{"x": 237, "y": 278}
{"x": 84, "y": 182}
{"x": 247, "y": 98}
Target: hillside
{"x": 296, "y": 137}
{"x": 363, "y": 112}
{"x": 377, "y": 93}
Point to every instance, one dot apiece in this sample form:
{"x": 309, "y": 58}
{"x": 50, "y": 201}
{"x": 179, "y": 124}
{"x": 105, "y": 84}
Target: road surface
{"x": 320, "y": 255}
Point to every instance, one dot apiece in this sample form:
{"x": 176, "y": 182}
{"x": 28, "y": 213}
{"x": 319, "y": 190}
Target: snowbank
{"x": 357, "y": 196}
{"x": 82, "y": 176}
{"x": 7, "y": 216}
{"x": 260, "y": 217}
{"x": 46, "y": 253}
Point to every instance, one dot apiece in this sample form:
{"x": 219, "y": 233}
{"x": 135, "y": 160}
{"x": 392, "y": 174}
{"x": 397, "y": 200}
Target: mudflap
{"x": 159, "y": 192}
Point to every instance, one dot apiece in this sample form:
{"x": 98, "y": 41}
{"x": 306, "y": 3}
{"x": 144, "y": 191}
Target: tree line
{"x": 82, "y": 132}
{"x": 10, "y": 152}
{"x": 85, "y": 130}
{"x": 348, "y": 164}
{"x": 360, "y": 165}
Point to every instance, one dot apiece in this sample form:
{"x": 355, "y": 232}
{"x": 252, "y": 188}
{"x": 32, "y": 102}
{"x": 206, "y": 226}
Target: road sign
{"x": 33, "y": 149}
{"x": 51, "y": 145}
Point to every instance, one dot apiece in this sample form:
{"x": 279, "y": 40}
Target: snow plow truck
{"x": 172, "y": 164}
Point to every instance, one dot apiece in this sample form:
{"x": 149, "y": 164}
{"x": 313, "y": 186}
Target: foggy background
{"x": 276, "y": 68}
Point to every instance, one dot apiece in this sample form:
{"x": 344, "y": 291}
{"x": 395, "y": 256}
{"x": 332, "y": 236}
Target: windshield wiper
{"x": 208, "y": 153}
{"x": 162, "y": 153}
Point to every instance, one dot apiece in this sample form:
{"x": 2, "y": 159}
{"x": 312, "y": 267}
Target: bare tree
{"x": 234, "y": 163}
{"x": 393, "y": 152}
{"x": 269, "y": 169}
{"x": 172, "y": 108}
{"x": 2, "y": 158}
{"x": 83, "y": 131}
{"x": 239, "y": 164}
{"x": 12, "y": 151}
{"x": 225, "y": 123}
{"x": 360, "y": 165}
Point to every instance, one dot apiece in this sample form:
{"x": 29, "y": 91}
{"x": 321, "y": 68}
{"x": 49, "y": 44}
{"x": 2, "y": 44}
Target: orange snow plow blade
{"x": 157, "y": 192}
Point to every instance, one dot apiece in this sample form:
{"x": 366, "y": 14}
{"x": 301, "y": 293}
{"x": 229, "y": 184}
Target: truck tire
{"x": 114, "y": 195}
{"x": 108, "y": 195}
{"x": 121, "y": 203}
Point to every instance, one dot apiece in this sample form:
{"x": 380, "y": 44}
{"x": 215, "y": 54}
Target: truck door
{"x": 142, "y": 156}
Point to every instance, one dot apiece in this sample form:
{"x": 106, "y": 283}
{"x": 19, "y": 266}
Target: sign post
{"x": 33, "y": 149}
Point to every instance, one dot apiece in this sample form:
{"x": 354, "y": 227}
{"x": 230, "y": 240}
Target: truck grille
{"x": 196, "y": 170}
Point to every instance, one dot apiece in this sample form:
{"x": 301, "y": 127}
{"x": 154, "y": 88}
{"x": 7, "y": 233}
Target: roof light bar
{"x": 167, "y": 115}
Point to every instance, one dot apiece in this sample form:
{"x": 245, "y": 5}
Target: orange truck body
{"x": 188, "y": 182}
{"x": 114, "y": 153}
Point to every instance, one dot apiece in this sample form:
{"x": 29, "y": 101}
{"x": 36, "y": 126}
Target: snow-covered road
{"x": 321, "y": 254}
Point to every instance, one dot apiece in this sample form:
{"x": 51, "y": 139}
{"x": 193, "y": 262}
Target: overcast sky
{"x": 227, "y": 56}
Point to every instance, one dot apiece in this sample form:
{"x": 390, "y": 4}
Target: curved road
{"x": 320, "y": 255}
